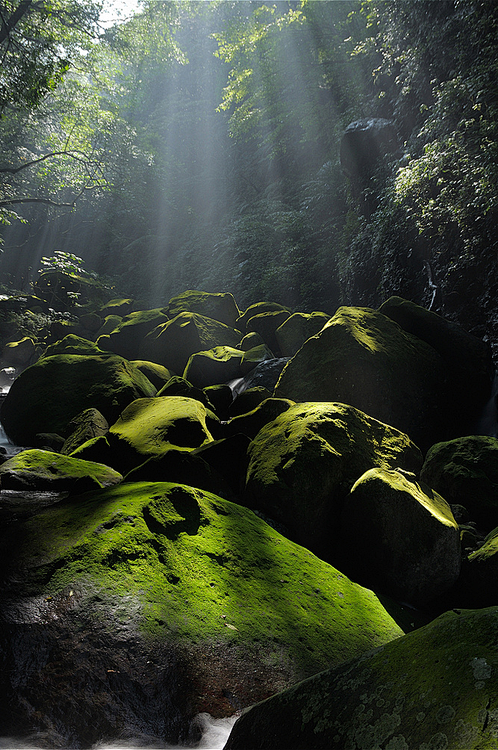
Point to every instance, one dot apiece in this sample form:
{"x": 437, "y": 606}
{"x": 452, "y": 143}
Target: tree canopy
{"x": 196, "y": 144}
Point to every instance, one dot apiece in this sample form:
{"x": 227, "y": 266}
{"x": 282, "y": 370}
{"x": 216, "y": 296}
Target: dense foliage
{"x": 197, "y": 145}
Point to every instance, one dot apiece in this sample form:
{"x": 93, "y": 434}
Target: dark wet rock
{"x": 127, "y": 337}
{"x": 18, "y": 353}
{"x": 433, "y": 688}
{"x": 465, "y": 471}
{"x": 477, "y": 586}
{"x": 228, "y": 458}
{"x": 265, "y": 375}
{"x": 400, "y": 537}
{"x": 468, "y": 369}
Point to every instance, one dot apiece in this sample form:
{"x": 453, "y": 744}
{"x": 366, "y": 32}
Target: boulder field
{"x": 215, "y": 508}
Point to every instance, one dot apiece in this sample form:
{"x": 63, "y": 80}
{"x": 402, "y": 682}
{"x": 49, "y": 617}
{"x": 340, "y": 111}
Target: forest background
{"x": 196, "y": 145}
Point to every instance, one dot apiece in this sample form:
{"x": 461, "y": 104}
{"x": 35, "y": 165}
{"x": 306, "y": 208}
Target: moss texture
{"x": 221, "y": 307}
{"x": 150, "y": 426}
{"x": 172, "y": 343}
{"x": 361, "y": 357}
{"x": 72, "y": 344}
{"x": 433, "y": 689}
{"x": 408, "y": 537}
{"x": 44, "y": 470}
{"x": 46, "y": 396}
{"x": 294, "y": 331}
{"x": 203, "y": 568}
{"x": 304, "y": 463}
{"x": 465, "y": 471}
{"x": 217, "y": 365}
{"x": 126, "y": 338}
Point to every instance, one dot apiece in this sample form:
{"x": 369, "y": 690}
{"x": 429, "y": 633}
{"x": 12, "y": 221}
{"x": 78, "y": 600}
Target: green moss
{"x": 151, "y": 425}
{"x": 47, "y": 395}
{"x": 72, "y": 344}
{"x": 204, "y": 568}
{"x": 40, "y": 469}
{"x": 221, "y": 307}
{"x": 433, "y": 688}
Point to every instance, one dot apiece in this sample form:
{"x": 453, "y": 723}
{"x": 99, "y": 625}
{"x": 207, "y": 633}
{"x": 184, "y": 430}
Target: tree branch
{"x": 77, "y": 155}
{"x": 7, "y": 25}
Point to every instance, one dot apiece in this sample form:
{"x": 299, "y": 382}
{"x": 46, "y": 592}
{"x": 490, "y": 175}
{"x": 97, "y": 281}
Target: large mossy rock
{"x": 126, "y": 339}
{"x": 294, "y": 331}
{"x": 221, "y": 307}
{"x": 265, "y": 324}
{"x": 72, "y": 344}
{"x": 218, "y": 365}
{"x": 435, "y": 688}
{"x": 44, "y": 470}
{"x": 467, "y": 361}
{"x": 172, "y": 344}
{"x": 465, "y": 472}
{"x": 136, "y": 607}
{"x": 258, "y": 308}
{"x": 303, "y": 464}
{"x": 400, "y": 537}
{"x": 151, "y": 426}
{"x": 363, "y": 358}
{"x": 46, "y": 396}
{"x": 87, "y": 425}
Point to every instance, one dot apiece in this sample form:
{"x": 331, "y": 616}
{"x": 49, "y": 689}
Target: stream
{"x": 215, "y": 735}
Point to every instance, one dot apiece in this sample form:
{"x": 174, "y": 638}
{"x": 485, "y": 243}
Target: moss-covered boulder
{"x": 163, "y": 601}
{"x": 296, "y": 329}
{"x": 248, "y": 400}
{"x": 181, "y": 467}
{"x": 178, "y": 386}
{"x": 126, "y": 339}
{"x": 252, "y": 421}
{"x": 44, "y": 470}
{"x": 253, "y": 357}
{"x": 434, "y": 688}
{"x": 151, "y": 426}
{"x": 400, "y": 537}
{"x": 218, "y": 365}
{"x": 111, "y": 322}
{"x": 363, "y": 358}
{"x": 467, "y": 361}
{"x": 46, "y": 396}
{"x": 172, "y": 344}
{"x": 157, "y": 374}
{"x": 250, "y": 341}
{"x": 87, "y": 425}
{"x": 221, "y": 307}
{"x": 465, "y": 472}
{"x": 303, "y": 464}
{"x": 266, "y": 324}
{"x": 258, "y": 308}
{"x": 72, "y": 344}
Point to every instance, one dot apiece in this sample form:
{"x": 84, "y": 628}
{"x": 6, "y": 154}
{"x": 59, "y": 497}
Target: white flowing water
{"x": 215, "y": 735}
